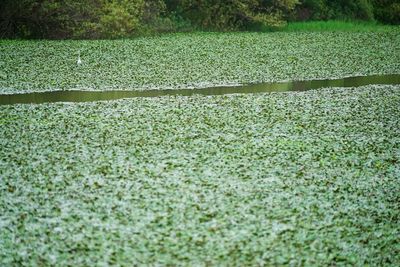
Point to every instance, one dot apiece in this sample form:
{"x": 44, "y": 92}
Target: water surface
{"x": 88, "y": 96}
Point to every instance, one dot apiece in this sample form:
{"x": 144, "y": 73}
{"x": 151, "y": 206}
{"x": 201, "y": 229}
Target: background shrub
{"x": 58, "y": 19}
{"x": 119, "y": 18}
{"x": 232, "y": 14}
{"x": 70, "y": 18}
{"x": 338, "y": 9}
{"x": 387, "y": 11}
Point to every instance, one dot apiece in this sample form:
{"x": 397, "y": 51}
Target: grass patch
{"x": 306, "y": 178}
{"x": 335, "y": 25}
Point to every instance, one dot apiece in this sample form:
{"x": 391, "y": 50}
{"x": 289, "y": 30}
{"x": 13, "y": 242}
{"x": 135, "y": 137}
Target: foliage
{"x": 307, "y": 178}
{"x": 57, "y": 19}
{"x": 70, "y": 18}
{"x": 195, "y": 60}
{"x": 387, "y": 11}
{"x": 336, "y": 25}
{"x": 234, "y": 14}
{"x": 342, "y": 9}
{"x": 120, "y": 18}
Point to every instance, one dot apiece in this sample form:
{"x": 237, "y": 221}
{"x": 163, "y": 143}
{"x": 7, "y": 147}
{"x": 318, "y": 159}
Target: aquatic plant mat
{"x": 178, "y": 61}
{"x": 296, "y": 178}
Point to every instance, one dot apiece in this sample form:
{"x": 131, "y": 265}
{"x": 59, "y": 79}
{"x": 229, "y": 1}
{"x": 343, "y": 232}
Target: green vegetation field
{"x": 195, "y": 60}
{"x": 308, "y": 178}
{"x": 292, "y": 178}
{"x": 337, "y": 26}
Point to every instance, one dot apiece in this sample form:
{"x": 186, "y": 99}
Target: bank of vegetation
{"x": 92, "y": 19}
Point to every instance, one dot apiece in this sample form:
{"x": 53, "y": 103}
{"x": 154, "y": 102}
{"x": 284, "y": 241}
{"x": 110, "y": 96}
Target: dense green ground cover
{"x": 198, "y": 60}
{"x": 337, "y": 25}
{"x": 301, "y": 178}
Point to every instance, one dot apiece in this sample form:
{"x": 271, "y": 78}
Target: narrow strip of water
{"x": 88, "y": 96}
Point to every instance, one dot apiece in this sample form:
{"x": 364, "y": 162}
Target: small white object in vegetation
{"x": 79, "y": 62}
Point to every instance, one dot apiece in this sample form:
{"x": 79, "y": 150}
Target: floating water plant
{"x": 196, "y": 60}
{"x": 297, "y": 178}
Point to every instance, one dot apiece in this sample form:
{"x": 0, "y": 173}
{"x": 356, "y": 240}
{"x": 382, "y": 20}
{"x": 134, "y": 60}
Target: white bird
{"x": 79, "y": 62}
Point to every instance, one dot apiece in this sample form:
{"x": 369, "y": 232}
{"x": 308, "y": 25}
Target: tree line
{"x": 58, "y": 19}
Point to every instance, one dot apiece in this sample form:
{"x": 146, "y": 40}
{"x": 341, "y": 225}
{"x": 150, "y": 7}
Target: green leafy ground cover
{"x": 195, "y": 60}
{"x": 338, "y": 25}
{"x": 300, "y": 178}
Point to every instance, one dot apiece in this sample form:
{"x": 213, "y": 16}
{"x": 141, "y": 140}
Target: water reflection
{"x": 88, "y": 96}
